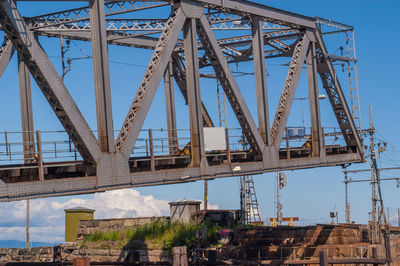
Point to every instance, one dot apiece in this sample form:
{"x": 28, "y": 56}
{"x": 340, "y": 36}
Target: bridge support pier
{"x": 113, "y": 169}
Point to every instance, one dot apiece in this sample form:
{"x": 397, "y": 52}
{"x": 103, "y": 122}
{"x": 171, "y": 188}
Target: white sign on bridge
{"x": 214, "y": 138}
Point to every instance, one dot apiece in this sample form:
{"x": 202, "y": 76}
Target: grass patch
{"x": 94, "y": 237}
{"x": 157, "y": 235}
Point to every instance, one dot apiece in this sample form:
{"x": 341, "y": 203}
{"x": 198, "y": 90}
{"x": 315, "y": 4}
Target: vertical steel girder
{"x": 336, "y": 97}
{"x": 261, "y": 80}
{"x": 193, "y": 92}
{"x": 179, "y": 72}
{"x": 170, "y": 109}
{"x": 147, "y": 89}
{"x": 313, "y": 92}
{"x": 49, "y": 82}
{"x": 231, "y": 89}
{"x": 25, "y": 95}
{"x": 101, "y": 72}
{"x": 6, "y": 52}
{"x": 289, "y": 90}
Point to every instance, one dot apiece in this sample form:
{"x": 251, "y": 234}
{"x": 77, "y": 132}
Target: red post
{"x": 323, "y": 258}
{"x": 39, "y": 155}
{"x": 152, "y": 165}
{"x": 81, "y": 262}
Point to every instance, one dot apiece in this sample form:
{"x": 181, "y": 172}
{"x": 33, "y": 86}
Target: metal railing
{"x": 56, "y": 146}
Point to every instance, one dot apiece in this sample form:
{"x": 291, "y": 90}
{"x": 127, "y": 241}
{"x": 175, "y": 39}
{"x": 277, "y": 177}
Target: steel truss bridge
{"x": 86, "y": 160}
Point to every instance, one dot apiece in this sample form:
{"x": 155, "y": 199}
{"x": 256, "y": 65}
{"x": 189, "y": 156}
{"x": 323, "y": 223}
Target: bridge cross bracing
{"x": 184, "y": 42}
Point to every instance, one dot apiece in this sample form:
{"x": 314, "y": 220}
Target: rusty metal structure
{"x": 184, "y": 42}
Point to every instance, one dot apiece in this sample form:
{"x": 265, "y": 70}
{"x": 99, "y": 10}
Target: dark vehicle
{"x": 224, "y": 218}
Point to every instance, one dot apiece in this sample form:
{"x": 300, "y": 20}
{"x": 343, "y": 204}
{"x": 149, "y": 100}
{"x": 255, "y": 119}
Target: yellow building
{"x": 72, "y": 218}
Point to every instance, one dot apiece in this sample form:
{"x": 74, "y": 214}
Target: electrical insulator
{"x": 282, "y": 180}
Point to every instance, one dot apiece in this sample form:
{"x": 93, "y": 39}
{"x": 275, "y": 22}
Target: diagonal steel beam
{"x": 147, "y": 89}
{"x": 6, "y": 52}
{"x": 230, "y": 86}
{"x": 336, "y": 97}
{"x": 289, "y": 90}
{"x": 48, "y": 81}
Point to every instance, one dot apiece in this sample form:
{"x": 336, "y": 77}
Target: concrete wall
{"x": 69, "y": 253}
{"x": 42, "y": 254}
{"x": 113, "y": 255}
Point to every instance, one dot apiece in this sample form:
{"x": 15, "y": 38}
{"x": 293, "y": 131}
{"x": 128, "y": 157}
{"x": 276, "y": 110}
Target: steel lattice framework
{"x": 107, "y": 163}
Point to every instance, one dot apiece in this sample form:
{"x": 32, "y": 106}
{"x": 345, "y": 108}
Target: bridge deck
{"x": 151, "y": 166}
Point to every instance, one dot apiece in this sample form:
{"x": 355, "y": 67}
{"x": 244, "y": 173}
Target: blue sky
{"x": 310, "y": 194}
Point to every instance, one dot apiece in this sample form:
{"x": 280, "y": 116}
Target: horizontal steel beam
{"x": 84, "y": 185}
{"x": 248, "y": 8}
{"x": 267, "y": 13}
{"x": 80, "y": 14}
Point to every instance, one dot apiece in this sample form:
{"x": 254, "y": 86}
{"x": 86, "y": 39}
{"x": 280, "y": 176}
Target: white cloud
{"x": 47, "y": 215}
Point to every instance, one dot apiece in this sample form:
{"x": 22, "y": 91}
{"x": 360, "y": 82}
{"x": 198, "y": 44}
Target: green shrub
{"x": 160, "y": 235}
{"x": 112, "y": 236}
{"x": 94, "y": 237}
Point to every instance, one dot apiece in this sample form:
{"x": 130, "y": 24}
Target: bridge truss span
{"x": 191, "y": 36}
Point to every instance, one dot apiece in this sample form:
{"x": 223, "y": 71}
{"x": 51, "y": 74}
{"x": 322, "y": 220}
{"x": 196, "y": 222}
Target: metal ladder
{"x": 351, "y": 66}
{"x": 353, "y": 78}
{"x": 248, "y": 201}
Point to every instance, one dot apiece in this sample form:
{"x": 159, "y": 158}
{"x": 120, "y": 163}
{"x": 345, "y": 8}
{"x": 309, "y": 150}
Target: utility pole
{"x": 280, "y": 183}
{"x": 346, "y": 183}
{"x": 278, "y": 204}
{"x": 205, "y": 194}
{"x": 348, "y": 180}
{"x": 27, "y": 224}
{"x": 66, "y": 66}
{"x": 373, "y": 181}
{"x": 398, "y": 217}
